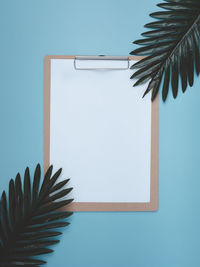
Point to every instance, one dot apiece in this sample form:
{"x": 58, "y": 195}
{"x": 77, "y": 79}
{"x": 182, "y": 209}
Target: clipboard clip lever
{"x": 123, "y": 62}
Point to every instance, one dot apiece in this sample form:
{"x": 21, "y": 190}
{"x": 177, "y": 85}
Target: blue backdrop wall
{"x": 31, "y": 29}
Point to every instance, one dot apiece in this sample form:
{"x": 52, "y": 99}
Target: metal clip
{"x": 101, "y": 57}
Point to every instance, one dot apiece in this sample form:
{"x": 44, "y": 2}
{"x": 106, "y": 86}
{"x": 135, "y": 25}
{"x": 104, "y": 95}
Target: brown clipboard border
{"x": 104, "y": 206}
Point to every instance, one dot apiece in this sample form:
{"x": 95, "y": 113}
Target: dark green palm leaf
{"x": 171, "y": 47}
{"x": 29, "y": 218}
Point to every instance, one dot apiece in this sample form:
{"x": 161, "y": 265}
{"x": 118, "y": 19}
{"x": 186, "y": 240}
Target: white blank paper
{"x": 100, "y": 133}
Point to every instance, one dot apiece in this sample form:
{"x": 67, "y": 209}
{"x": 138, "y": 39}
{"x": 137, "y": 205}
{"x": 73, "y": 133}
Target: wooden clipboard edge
{"x": 104, "y": 206}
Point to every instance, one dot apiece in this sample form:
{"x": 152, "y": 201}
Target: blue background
{"x": 32, "y": 29}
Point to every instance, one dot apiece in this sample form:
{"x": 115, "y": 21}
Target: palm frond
{"x": 29, "y": 217}
{"x": 171, "y": 47}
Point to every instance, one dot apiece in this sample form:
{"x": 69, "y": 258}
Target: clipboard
{"x": 152, "y": 204}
